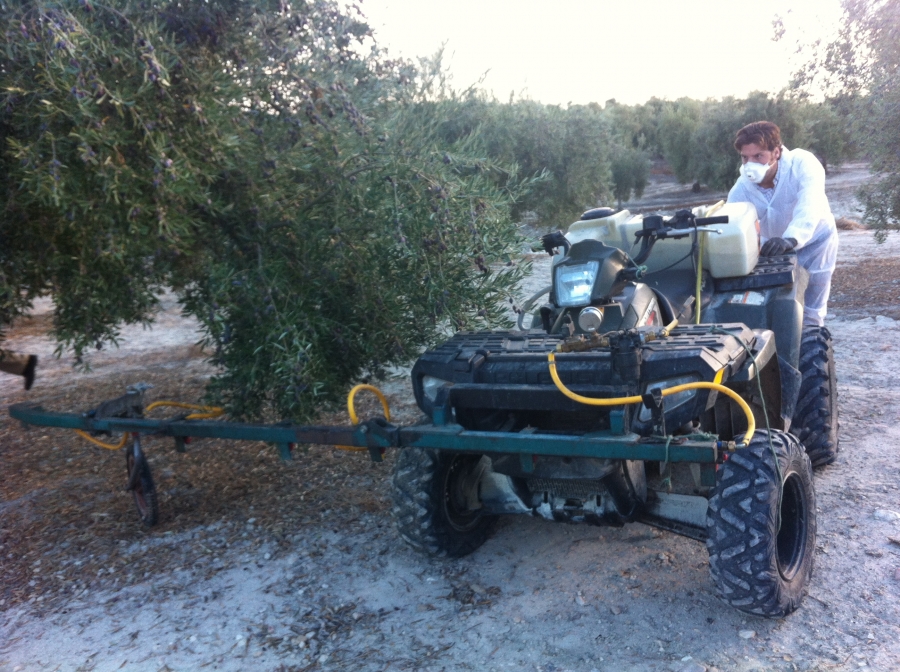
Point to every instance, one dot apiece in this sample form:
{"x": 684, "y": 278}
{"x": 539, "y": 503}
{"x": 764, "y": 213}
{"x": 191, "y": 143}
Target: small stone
{"x": 267, "y": 556}
{"x": 887, "y": 515}
{"x": 323, "y": 658}
{"x": 692, "y": 667}
{"x": 747, "y": 634}
{"x": 579, "y": 600}
{"x": 615, "y": 610}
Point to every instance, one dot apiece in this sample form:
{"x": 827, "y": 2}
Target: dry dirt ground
{"x": 258, "y": 565}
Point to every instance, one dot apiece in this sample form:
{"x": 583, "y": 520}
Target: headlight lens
{"x": 672, "y": 401}
{"x": 574, "y": 283}
{"x": 431, "y": 385}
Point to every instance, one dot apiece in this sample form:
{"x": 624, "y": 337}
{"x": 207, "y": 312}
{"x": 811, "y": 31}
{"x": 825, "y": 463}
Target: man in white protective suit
{"x": 788, "y": 189}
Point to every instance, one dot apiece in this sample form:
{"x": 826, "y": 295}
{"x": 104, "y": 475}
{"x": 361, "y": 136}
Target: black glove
{"x": 775, "y": 247}
{"x": 553, "y": 240}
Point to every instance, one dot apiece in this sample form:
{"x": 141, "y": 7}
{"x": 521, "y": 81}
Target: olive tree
{"x": 678, "y": 123}
{"x": 630, "y": 173}
{"x": 870, "y": 70}
{"x": 266, "y": 161}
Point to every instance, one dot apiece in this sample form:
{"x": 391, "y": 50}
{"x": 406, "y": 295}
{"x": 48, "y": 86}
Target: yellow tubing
{"x": 108, "y": 446}
{"x": 208, "y": 411}
{"x": 666, "y": 330}
{"x": 351, "y": 409}
{"x": 620, "y": 401}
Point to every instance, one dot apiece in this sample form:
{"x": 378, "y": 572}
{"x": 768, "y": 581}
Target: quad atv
{"x": 694, "y": 336}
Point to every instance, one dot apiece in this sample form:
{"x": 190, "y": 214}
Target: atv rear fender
{"x": 765, "y": 371}
{"x": 769, "y": 298}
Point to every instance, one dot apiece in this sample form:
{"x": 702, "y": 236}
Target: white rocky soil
{"x": 342, "y": 592}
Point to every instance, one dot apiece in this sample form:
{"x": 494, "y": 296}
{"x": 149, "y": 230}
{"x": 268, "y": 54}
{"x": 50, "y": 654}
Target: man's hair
{"x": 763, "y": 133}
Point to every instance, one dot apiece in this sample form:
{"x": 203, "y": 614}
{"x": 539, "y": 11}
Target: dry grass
{"x": 67, "y": 526}
{"x": 847, "y": 224}
{"x": 869, "y": 287}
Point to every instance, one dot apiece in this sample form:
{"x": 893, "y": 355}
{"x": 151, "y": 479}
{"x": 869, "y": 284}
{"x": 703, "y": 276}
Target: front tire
{"x": 815, "y": 420}
{"x": 757, "y": 567}
{"x": 433, "y": 492}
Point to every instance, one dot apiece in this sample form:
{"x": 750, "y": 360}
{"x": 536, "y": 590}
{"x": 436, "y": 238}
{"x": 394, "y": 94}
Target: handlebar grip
{"x": 720, "y": 219}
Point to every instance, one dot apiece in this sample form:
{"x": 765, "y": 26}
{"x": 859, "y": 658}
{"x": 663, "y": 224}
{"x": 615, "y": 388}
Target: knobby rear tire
{"x": 815, "y": 420}
{"x": 758, "y": 568}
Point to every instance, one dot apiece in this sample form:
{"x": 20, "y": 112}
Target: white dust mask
{"x": 755, "y": 172}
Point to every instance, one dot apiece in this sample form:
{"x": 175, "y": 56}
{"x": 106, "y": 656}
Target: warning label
{"x": 749, "y": 298}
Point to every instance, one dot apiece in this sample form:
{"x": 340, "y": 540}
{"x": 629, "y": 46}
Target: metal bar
{"x": 376, "y": 435}
{"x": 31, "y": 414}
{"x": 628, "y": 446}
{"x": 284, "y": 452}
{"x": 204, "y": 429}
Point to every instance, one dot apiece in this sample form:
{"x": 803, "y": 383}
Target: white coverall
{"x": 798, "y": 208}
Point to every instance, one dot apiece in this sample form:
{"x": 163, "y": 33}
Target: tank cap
{"x": 598, "y": 213}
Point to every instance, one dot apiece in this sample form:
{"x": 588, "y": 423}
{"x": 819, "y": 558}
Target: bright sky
{"x": 583, "y": 51}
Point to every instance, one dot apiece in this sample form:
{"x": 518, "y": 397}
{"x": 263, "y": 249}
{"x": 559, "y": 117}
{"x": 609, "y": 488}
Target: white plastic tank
{"x": 733, "y": 252}
{"x": 603, "y": 229}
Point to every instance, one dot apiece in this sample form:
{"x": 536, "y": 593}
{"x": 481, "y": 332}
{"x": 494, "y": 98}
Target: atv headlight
{"x": 431, "y": 385}
{"x": 672, "y": 401}
{"x": 590, "y": 318}
{"x": 575, "y": 282}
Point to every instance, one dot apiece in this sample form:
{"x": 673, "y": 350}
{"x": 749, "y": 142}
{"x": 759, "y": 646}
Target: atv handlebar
{"x": 682, "y": 224}
{"x": 720, "y": 219}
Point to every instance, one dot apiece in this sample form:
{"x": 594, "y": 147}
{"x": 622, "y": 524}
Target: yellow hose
{"x": 208, "y": 411}
{"x": 351, "y": 410}
{"x": 621, "y": 401}
{"x": 666, "y": 330}
{"x": 98, "y": 442}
